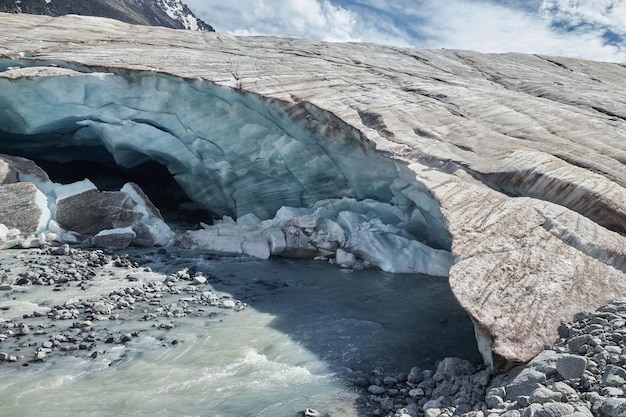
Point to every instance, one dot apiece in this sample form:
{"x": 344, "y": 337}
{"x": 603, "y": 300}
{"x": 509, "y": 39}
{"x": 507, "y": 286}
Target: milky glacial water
{"x": 308, "y": 330}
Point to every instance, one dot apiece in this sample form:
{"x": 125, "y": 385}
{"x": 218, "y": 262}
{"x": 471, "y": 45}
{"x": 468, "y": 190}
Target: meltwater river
{"x": 308, "y": 331}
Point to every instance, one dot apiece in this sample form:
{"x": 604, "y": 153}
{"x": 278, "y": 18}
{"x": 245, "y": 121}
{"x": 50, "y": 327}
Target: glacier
{"x": 234, "y": 154}
{"x": 511, "y": 164}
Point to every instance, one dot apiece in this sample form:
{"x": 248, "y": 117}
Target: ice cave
{"x": 269, "y": 178}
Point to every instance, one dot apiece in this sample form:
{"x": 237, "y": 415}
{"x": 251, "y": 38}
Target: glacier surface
{"x": 523, "y": 154}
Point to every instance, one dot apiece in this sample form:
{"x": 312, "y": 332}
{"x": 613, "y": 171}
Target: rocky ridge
{"x": 168, "y": 13}
{"x": 524, "y": 154}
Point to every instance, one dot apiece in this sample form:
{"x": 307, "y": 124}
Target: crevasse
{"x": 234, "y": 153}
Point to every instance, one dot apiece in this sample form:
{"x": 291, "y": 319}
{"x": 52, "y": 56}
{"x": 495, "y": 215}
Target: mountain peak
{"x": 168, "y": 13}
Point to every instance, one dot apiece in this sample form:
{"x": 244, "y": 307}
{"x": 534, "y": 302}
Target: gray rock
{"x": 451, "y": 367}
{"x": 23, "y": 207}
{"x": 564, "y": 389}
{"x": 613, "y": 407}
{"x": 493, "y": 401}
{"x": 4, "y": 356}
{"x": 543, "y": 395}
{"x": 114, "y": 239}
{"x": 575, "y": 344}
{"x": 531, "y": 410}
{"x": 581, "y": 411}
{"x": 525, "y": 383}
{"x": 92, "y": 211}
{"x": 376, "y": 389}
{"x": 62, "y": 250}
{"x": 554, "y": 410}
{"x": 416, "y": 393}
{"x": 434, "y": 404}
{"x": 612, "y": 392}
{"x": 614, "y": 376}
{"x": 415, "y": 375}
{"x": 571, "y": 366}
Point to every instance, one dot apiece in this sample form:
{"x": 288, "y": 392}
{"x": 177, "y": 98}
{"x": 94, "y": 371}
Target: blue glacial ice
{"x": 299, "y": 181}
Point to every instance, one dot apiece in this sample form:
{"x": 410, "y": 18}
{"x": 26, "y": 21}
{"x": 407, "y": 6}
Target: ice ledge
{"x": 332, "y": 229}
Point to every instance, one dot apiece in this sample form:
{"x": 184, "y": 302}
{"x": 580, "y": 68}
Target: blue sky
{"x": 591, "y": 29}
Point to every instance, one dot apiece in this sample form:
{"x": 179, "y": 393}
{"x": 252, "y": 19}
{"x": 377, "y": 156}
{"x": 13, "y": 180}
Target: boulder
{"x": 114, "y": 239}
{"x": 571, "y": 366}
{"x": 23, "y": 207}
{"x": 517, "y": 280}
{"x": 91, "y": 211}
{"x": 17, "y": 169}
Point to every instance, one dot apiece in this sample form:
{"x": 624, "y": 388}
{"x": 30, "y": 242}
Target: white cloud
{"x": 605, "y": 14}
{"x": 313, "y": 19}
{"x": 489, "y": 27}
{"x": 481, "y": 25}
{"x": 296, "y": 18}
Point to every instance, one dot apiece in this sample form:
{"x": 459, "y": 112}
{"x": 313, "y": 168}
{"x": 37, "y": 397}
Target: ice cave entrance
{"x": 231, "y": 152}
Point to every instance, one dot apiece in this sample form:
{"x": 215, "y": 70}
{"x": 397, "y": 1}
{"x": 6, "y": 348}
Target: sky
{"x": 590, "y": 29}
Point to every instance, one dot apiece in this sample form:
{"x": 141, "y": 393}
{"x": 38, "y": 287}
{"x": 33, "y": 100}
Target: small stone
{"x": 228, "y": 303}
{"x": 24, "y": 330}
{"x": 40, "y": 356}
{"x": 415, "y": 375}
{"x": 564, "y": 389}
{"x": 62, "y": 250}
{"x": 575, "y": 344}
{"x": 493, "y": 401}
{"x": 450, "y": 367}
{"x": 614, "y": 376}
{"x": 432, "y": 412}
{"x": 437, "y": 403}
{"x": 126, "y": 338}
{"x": 543, "y": 395}
{"x": 416, "y": 392}
{"x": 613, "y": 406}
{"x": 571, "y": 366}
{"x": 525, "y": 383}
{"x": 309, "y": 412}
{"x": 376, "y": 389}
{"x": 47, "y": 344}
{"x": 4, "y": 356}
{"x": 523, "y": 400}
{"x": 612, "y": 392}
{"x": 554, "y": 410}
{"x": 201, "y": 280}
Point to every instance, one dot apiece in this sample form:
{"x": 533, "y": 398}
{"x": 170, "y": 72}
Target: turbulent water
{"x": 308, "y": 331}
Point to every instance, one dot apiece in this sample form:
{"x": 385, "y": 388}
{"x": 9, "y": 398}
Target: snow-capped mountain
{"x": 169, "y": 13}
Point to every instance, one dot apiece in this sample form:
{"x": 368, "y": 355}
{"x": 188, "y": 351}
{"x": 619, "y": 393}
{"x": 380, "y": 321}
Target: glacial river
{"x": 308, "y": 331}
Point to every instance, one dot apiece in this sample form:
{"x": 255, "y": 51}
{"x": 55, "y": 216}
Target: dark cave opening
{"x": 177, "y": 209}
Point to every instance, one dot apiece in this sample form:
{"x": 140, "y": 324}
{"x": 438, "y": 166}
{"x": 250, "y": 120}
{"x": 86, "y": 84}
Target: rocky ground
{"x": 582, "y": 374}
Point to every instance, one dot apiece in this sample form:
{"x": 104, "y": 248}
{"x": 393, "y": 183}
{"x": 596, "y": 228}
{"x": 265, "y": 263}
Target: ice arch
{"x": 232, "y": 152}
